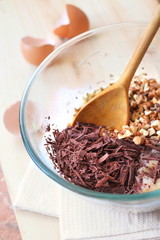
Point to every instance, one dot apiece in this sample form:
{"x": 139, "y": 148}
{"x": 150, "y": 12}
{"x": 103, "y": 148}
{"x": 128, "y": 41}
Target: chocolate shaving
{"x": 154, "y": 147}
{"x": 104, "y": 157}
{"x": 85, "y": 157}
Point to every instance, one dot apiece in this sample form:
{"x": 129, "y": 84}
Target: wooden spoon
{"x": 111, "y": 106}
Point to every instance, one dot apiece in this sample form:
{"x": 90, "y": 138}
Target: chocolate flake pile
{"x": 87, "y": 156}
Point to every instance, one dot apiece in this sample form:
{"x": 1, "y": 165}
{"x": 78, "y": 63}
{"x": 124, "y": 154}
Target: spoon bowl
{"x": 109, "y": 108}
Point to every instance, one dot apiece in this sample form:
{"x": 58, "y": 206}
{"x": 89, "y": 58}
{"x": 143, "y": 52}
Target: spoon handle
{"x": 140, "y": 51}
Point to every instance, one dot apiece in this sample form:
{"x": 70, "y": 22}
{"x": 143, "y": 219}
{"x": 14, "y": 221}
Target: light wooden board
{"x": 36, "y": 18}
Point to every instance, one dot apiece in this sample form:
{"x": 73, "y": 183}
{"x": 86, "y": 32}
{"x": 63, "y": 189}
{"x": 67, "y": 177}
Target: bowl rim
{"x": 25, "y": 137}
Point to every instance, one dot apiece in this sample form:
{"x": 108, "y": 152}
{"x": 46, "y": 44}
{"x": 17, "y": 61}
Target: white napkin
{"x": 80, "y": 218}
{"x": 38, "y": 193}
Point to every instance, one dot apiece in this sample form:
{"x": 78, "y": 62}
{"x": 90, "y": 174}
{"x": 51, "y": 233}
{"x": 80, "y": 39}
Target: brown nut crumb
{"x": 138, "y": 140}
{"x": 151, "y": 131}
{"x": 151, "y": 94}
{"x": 133, "y": 104}
{"x": 158, "y": 91}
{"x": 144, "y": 132}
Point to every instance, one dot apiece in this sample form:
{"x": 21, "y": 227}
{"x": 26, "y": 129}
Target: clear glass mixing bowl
{"x": 80, "y": 65}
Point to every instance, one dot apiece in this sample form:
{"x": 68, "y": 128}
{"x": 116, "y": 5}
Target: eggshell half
{"x": 62, "y": 26}
{"x": 11, "y": 117}
{"x": 78, "y": 23}
{"x": 35, "y": 50}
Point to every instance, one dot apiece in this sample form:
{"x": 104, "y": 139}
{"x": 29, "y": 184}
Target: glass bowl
{"x": 56, "y": 88}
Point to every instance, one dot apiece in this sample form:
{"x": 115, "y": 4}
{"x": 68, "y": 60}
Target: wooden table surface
{"x": 37, "y": 18}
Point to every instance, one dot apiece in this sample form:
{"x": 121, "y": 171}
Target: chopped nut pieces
{"x": 144, "y": 98}
{"x": 138, "y": 140}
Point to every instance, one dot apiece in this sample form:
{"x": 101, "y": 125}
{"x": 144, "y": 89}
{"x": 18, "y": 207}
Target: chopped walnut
{"x": 144, "y": 99}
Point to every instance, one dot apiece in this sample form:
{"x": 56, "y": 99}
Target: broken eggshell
{"x": 73, "y": 22}
{"x": 11, "y": 117}
{"x": 35, "y": 50}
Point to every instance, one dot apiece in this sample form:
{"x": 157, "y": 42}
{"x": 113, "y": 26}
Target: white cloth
{"x": 80, "y": 218}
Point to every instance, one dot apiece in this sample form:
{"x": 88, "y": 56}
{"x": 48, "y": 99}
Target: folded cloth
{"x": 80, "y": 218}
{"x": 38, "y": 193}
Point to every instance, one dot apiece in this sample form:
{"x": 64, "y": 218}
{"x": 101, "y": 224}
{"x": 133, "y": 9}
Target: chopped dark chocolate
{"x": 84, "y": 156}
